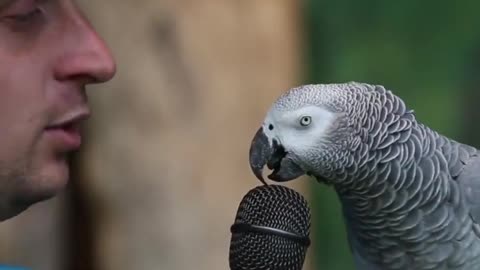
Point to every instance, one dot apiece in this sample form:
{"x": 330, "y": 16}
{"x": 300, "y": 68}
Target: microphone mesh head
{"x": 272, "y": 206}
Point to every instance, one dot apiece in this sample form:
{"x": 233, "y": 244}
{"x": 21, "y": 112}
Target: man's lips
{"x": 66, "y": 131}
{"x": 70, "y": 118}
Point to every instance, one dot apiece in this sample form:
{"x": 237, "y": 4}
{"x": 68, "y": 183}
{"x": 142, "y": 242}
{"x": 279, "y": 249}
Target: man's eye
{"x": 25, "y": 17}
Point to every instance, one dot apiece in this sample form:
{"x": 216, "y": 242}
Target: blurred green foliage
{"x": 421, "y": 50}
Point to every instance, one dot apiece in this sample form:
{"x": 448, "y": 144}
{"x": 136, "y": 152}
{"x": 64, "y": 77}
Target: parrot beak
{"x": 275, "y": 157}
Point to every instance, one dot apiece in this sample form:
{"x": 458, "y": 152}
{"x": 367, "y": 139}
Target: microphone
{"x": 271, "y": 230}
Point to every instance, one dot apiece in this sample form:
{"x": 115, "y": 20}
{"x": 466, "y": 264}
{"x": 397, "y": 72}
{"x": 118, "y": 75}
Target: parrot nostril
{"x": 270, "y": 127}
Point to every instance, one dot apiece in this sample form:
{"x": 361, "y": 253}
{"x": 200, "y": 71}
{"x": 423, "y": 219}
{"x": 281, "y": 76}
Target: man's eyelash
{"x": 26, "y": 16}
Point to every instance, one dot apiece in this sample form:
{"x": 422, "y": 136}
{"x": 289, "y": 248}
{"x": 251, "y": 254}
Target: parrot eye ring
{"x": 305, "y": 120}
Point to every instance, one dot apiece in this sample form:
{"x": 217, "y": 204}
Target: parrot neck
{"x": 389, "y": 186}
{"x": 389, "y": 203}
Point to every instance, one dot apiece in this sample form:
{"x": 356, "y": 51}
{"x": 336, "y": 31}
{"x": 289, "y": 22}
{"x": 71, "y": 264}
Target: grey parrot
{"x": 410, "y": 196}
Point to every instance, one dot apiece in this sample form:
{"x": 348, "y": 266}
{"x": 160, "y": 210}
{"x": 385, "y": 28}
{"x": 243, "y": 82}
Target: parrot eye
{"x": 305, "y": 120}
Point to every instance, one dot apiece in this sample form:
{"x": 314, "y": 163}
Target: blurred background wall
{"x": 165, "y": 162}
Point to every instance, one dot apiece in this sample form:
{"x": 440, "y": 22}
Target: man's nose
{"x": 85, "y": 56}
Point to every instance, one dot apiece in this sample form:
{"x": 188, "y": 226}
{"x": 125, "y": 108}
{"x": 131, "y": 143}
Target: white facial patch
{"x": 300, "y": 129}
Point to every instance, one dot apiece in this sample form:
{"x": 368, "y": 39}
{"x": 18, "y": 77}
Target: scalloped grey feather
{"x": 411, "y": 197}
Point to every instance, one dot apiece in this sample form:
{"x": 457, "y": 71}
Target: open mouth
{"x": 275, "y": 161}
{"x": 275, "y": 156}
{"x": 67, "y": 127}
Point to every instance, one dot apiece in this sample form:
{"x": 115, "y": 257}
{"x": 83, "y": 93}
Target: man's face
{"x": 48, "y": 54}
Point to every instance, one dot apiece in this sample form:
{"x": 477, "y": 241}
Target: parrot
{"x": 410, "y": 196}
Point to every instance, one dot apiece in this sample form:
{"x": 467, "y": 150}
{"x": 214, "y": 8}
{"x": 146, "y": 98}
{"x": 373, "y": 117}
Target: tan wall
{"x": 166, "y": 159}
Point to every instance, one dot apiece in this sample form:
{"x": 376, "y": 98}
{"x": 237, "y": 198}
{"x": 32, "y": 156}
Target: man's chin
{"x": 46, "y": 183}
{"x": 22, "y": 200}
{"x": 38, "y": 194}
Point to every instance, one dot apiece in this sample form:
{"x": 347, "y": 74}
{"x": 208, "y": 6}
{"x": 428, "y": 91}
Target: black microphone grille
{"x": 271, "y": 230}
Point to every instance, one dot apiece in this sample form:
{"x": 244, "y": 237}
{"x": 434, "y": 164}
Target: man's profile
{"x": 48, "y": 54}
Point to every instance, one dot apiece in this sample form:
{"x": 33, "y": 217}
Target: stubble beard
{"x": 17, "y": 192}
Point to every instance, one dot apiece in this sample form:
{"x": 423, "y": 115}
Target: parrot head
{"x": 308, "y": 130}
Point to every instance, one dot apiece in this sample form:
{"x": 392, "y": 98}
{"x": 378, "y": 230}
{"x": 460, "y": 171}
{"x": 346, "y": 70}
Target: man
{"x": 48, "y": 54}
